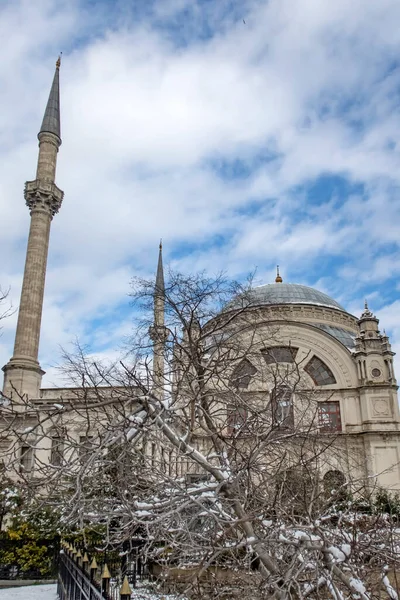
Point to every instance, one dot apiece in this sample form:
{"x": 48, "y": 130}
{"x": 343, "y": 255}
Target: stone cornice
{"x": 302, "y": 313}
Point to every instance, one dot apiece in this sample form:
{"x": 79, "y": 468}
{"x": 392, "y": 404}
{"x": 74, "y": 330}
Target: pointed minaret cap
{"x": 160, "y": 287}
{"x": 51, "y": 119}
{"x": 278, "y": 278}
{"x": 125, "y": 588}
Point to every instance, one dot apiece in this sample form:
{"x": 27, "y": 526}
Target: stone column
{"x": 23, "y": 373}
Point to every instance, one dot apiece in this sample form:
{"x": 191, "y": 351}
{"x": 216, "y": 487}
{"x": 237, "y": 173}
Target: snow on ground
{"x": 49, "y": 592}
{"x": 30, "y": 592}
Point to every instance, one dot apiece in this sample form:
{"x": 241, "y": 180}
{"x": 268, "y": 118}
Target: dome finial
{"x": 278, "y": 278}
{"x": 366, "y": 304}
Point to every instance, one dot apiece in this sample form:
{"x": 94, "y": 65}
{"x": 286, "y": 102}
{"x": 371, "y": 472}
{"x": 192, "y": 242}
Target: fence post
{"x": 85, "y": 561}
{"x": 125, "y": 591}
{"x": 105, "y": 581}
{"x": 93, "y": 569}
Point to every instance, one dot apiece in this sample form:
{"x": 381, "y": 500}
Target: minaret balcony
{"x": 43, "y": 196}
{"x": 158, "y": 333}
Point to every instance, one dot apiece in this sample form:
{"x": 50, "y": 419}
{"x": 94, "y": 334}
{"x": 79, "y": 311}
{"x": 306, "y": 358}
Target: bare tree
{"x": 208, "y": 454}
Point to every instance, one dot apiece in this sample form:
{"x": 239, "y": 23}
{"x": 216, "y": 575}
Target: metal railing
{"x": 77, "y": 580}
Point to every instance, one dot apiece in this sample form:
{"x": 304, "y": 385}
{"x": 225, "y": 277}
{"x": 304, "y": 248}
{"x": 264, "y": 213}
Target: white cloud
{"x": 311, "y": 85}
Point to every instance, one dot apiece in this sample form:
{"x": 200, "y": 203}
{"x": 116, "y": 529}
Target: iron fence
{"x": 80, "y": 579}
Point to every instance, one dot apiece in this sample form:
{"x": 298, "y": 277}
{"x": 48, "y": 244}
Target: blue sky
{"x": 242, "y": 145}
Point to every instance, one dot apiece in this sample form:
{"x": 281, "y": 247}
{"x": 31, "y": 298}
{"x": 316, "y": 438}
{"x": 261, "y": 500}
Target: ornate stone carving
{"x": 381, "y": 407}
{"x": 304, "y": 313}
{"x": 43, "y": 195}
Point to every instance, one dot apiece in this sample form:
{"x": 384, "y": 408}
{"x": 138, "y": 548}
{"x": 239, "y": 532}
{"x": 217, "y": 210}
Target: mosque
{"x": 345, "y": 359}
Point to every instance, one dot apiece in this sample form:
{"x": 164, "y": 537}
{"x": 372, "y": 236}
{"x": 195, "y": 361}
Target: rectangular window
{"x": 26, "y": 460}
{"x": 329, "y": 416}
{"x": 282, "y": 407}
{"x": 57, "y": 451}
{"x": 85, "y": 447}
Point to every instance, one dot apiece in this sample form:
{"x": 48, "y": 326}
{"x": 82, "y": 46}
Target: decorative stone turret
{"x": 373, "y": 351}
{"x": 158, "y": 332}
{"x": 374, "y": 358}
{"x": 22, "y": 374}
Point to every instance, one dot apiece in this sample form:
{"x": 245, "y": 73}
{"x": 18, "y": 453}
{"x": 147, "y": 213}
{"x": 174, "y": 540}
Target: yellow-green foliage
{"x": 22, "y": 548}
{"x": 30, "y": 542}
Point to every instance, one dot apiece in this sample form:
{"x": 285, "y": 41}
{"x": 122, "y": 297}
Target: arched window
{"x": 293, "y": 489}
{"x": 242, "y": 374}
{"x": 282, "y": 407}
{"x": 335, "y": 484}
{"x": 319, "y": 372}
{"x": 279, "y": 354}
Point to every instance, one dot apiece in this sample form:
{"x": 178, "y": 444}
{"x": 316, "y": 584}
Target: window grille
{"x": 279, "y": 354}
{"x": 319, "y": 372}
{"x": 282, "y": 407}
{"x": 329, "y": 416}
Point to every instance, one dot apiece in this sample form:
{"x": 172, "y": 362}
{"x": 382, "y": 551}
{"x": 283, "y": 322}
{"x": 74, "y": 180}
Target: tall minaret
{"x": 22, "y": 374}
{"x": 158, "y": 331}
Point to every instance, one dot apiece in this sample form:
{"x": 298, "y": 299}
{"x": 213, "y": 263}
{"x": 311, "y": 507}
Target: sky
{"x": 244, "y": 133}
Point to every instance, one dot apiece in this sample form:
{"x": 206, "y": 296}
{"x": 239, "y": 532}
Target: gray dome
{"x": 286, "y": 293}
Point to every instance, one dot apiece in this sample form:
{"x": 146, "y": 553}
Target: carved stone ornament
{"x": 44, "y": 196}
{"x": 381, "y": 407}
{"x": 304, "y": 313}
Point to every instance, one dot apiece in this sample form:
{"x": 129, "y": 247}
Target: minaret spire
{"x": 23, "y": 374}
{"x": 158, "y": 332}
{"x": 51, "y": 119}
{"x": 160, "y": 287}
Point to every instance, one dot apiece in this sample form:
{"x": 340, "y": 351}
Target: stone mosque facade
{"x": 345, "y": 359}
